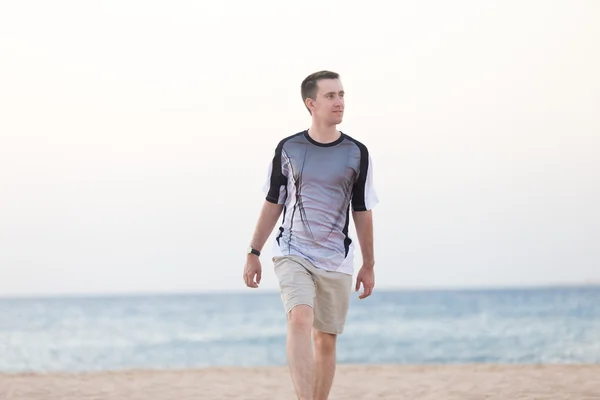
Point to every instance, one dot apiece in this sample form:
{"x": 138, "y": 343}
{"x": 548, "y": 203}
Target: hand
{"x": 252, "y": 269}
{"x": 366, "y": 276}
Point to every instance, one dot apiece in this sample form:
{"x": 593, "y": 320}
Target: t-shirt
{"x": 318, "y": 183}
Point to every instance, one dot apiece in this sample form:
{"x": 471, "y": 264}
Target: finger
{"x": 366, "y": 293}
{"x": 248, "y": 279}
{"x": 258, "y": 276}
{"x": 357, "y": 284}
{"x": 252, "y": 280}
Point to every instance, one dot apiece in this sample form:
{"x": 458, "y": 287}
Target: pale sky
{"x": 135, "y": 138}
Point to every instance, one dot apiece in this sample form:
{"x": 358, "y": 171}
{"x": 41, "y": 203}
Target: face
{"x": 328, "y": 107}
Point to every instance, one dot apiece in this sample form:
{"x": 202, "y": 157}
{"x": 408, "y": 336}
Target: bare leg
{"x": 299, "y": 352}
{"x": 325, "y": 358}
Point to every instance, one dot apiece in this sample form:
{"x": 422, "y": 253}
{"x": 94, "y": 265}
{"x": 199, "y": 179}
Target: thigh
{"x": 332, "y": 300}
{"x": 296, "y": 283}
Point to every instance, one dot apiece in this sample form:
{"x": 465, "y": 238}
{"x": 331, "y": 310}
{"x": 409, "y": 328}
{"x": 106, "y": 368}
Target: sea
{"x": 79, "y": 334}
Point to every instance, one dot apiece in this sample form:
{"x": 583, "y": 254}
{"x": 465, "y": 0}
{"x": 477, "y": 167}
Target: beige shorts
{"x": 327, "y": 292}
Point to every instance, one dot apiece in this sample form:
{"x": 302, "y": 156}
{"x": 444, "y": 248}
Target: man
{"x": 314, "y": 178}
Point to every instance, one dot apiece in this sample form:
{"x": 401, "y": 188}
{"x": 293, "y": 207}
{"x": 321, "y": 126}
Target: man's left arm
{"x": 364, "y": 199}
{"x": 363, "y": 222}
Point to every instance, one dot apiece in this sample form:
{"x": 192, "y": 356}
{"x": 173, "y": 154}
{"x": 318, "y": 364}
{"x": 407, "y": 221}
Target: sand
{"x": 580, "y": 382}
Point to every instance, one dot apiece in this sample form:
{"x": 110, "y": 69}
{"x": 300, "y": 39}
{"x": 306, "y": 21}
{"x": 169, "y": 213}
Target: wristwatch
{"x": 252, "y": 250}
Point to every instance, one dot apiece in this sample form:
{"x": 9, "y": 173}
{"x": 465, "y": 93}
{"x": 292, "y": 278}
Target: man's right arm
{"x": 269, "y": 215}
{"x": 275, "y": 197}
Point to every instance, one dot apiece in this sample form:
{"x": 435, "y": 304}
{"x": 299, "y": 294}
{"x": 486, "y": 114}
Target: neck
{"x": 323, "y": 133}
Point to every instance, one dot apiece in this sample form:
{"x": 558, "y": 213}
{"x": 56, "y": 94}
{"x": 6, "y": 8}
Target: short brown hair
{"x": 308, "y": 89}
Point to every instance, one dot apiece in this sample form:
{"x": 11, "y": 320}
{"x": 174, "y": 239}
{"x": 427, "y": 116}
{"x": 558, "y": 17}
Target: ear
{"x": 310, "y": 104}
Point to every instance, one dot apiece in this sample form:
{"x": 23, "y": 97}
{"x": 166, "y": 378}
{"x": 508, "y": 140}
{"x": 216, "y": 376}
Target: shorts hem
{"x": 289, "y": 308}
{"x": 329, "y": 331}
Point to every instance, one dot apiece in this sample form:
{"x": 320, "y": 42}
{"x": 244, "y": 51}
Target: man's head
{"x": 323, "y": 96}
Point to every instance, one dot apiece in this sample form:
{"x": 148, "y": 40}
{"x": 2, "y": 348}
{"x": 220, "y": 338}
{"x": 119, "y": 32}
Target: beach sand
{"x": 580, "y": 382}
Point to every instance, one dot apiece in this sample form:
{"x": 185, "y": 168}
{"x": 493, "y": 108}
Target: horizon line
{"x": 253, "y": 292}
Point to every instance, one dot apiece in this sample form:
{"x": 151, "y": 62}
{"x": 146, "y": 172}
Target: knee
{"x": 324, "y": 342}
{"x": 301, "y": 317}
